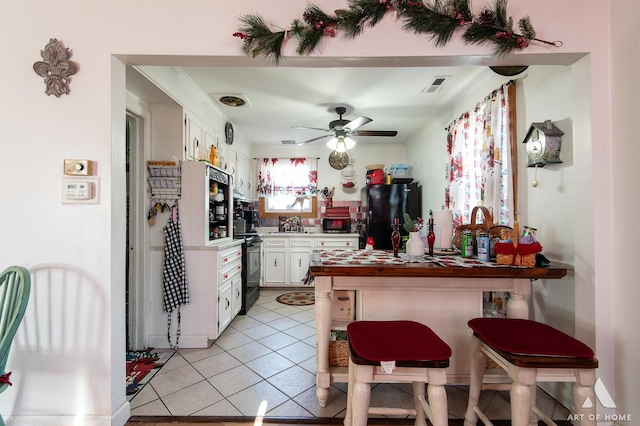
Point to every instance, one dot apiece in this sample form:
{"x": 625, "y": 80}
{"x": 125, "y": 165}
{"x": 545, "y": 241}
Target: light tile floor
{"x": 265, "y": 363}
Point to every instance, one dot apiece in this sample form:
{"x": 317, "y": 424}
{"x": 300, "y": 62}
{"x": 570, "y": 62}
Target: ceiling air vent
{"x": 231, "y": 100}
{"x": 436, "y": 84}
{"x": 288, "y": 142}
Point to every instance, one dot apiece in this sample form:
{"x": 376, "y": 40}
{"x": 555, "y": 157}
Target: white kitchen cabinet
{"x": 298, "y": 266}
{"x": 243, "y": 179}
{"x": 275, "y": 252}
{"x": 225, "y": 309}
{"x": 286, "y": 257}
{"x": 206, "y": 204}
{"x": 336, "y": 243}
{"x": 229, "y": 285}
{"x": 212, "y": 272}
{"x": 299, "y": 258}
{"x": 236, "y": 290}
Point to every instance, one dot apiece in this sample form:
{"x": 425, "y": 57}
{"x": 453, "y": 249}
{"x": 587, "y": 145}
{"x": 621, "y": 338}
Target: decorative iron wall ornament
{"x": 55, "y": 68}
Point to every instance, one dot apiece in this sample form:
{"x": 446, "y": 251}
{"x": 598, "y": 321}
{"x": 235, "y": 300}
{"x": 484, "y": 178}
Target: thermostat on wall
{"x": 79, "y": 191}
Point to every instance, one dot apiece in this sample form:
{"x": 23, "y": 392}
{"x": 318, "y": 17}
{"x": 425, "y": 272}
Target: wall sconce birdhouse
{"x": 544, "y": 141}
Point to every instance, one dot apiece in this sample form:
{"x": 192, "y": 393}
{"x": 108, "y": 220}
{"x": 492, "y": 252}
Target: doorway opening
{"x": 135, "y": 259}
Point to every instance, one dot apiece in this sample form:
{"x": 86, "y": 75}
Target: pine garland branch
{"x": 361, "y": 13}
{"x": 258, "y": 39}
{"x": 494, "y": 27}
{"x": 318, "y": 25}
{"x": 437, "y": 18}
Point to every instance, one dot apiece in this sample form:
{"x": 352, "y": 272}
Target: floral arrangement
{"x": 411, "y": 225}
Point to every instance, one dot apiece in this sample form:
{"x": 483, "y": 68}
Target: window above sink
{"x": 288, "y": 187}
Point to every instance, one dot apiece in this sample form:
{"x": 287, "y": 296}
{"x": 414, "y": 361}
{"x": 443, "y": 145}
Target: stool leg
{"x": 533, "y": 418}
{"x": 478, "y": 366}
{"x": 348, "y": 418}
{"x": 438, "y": 397}
{"x": 583, "y": 389}
{"x": 520, "y": 394}
{"x": 363, "y": 375}
{"x": 418, "y": 394}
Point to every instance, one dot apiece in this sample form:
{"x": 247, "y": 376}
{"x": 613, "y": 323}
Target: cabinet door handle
{"x": 228, "y": 303}
{"x": 300, "y": 263}
{"x": 275, "y": 262}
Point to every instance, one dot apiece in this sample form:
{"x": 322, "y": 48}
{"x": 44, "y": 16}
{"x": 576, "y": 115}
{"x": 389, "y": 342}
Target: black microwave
{"x": 340, "y": 225}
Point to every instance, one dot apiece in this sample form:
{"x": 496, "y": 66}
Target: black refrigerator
{"x": 383, "y": 203}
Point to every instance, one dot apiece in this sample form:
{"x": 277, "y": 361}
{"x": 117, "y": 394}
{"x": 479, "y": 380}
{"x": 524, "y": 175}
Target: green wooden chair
{"x": 15, "y": 287}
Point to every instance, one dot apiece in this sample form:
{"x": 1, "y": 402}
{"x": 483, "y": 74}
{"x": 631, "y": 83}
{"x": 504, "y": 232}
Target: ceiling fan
{"x": 340, "y": 130}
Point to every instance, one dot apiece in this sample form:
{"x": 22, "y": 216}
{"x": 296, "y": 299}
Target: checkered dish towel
{"x": 174, "y": 274}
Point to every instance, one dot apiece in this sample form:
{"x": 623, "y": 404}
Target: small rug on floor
{"x": 141, "y": 367}
{"x": 297, "y": 298}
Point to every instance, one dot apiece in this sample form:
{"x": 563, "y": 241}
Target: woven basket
{"x": 517, "y": 255}
{"x": 338, "y": 353}
{"x": 474, "y": 227}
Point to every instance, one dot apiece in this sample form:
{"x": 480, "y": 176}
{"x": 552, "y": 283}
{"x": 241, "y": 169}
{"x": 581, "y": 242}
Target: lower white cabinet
{"x": 236, "y": 290}
{"x": 214, "y": 278}
{"x": 229, "y": 286}
{"x": 298, "y": 266}
{"x": 286, "y": 258}
{"x": 275, "y": 252}
{"x": 225, "y": 310}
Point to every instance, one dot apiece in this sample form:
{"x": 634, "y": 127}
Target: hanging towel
{"x": 174, "y": 274}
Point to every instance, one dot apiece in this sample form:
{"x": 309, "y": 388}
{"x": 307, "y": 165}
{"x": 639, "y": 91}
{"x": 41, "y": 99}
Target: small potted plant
{"x": 414, "y": 245}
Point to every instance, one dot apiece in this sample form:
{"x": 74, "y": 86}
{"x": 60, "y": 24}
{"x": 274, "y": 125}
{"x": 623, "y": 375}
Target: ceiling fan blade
{"x": 358, "y": 122}
{"x": 375, "y": 133}
{"x": 310, "y": 128}
{"x": 313, "y": 140}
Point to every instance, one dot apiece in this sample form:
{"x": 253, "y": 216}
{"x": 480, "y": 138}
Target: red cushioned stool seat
{"x": 530, "y": 352}
{"x": 409, "y": 343}
{"x": 419, "y": 356}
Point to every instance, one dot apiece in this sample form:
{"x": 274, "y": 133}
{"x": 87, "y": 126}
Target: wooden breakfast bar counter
{"x": 443, "y": 292}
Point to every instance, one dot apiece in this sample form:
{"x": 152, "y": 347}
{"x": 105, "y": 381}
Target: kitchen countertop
{"x": 383, "y": 263}
{"x": 308, "y": 234}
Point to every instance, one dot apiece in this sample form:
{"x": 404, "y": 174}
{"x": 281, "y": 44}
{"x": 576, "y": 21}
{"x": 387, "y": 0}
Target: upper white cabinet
{"x": 194, "y": 139}
{"x": 243, "y": 176}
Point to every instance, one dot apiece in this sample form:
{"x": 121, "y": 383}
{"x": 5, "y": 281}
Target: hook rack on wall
{"x": 164, "y": 181}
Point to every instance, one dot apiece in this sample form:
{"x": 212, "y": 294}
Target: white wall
{"x": 623, "y": 283}
{"x": 38, "y": 132}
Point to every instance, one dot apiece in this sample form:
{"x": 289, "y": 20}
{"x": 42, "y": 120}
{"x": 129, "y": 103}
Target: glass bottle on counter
{"x": 395, "y": 236}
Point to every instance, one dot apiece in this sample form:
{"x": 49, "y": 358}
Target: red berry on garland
{"x": 243, "y": 36}
{"x": 522, "y": 42}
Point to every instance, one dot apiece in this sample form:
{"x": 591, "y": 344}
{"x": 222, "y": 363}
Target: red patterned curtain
{"x": 288, "y": 176}
{"x": 479, "y": 166}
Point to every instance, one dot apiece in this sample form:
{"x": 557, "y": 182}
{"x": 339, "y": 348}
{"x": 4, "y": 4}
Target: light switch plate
{"x": 77, "y": 167}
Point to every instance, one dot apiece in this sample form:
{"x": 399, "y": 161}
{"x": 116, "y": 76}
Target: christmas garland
{"x": 437, "y": 18}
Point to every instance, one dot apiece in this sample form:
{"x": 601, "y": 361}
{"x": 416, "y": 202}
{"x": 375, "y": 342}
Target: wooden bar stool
{"x": 530, "y": 352}
{"x": 396, "y": 352}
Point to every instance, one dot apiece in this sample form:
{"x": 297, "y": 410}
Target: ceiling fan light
{"x": 350, "y": 143}
{"x": 332, "y": 144}
{"x": 341, "y": 146}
